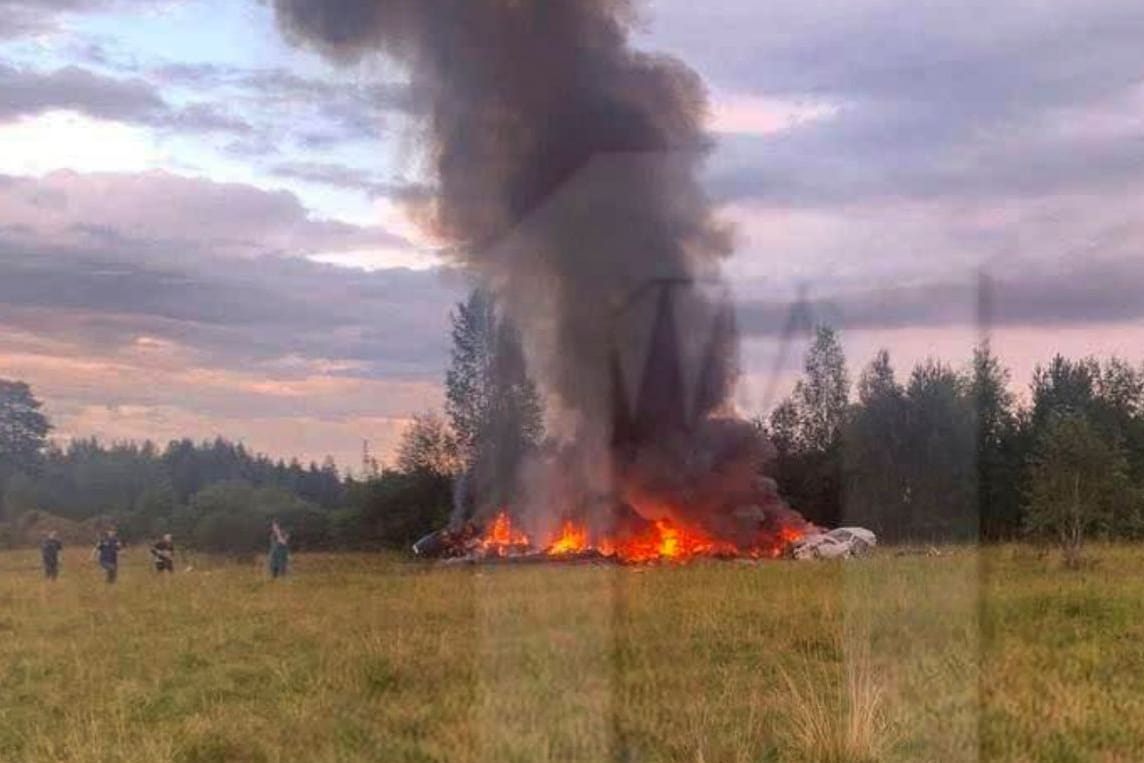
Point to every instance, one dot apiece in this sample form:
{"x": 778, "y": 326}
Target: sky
{"x": 205, "y": 230}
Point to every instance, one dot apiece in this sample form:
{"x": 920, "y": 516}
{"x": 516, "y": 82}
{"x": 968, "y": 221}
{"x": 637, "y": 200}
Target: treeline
{"x": 946, "y": 453}
{"x": 213, "y": 495}
{"x": 939, "y": 453}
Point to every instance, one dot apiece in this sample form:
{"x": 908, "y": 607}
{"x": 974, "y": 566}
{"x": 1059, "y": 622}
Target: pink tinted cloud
{"x": 146, "y": 391}
{"x": 69, "y": 208}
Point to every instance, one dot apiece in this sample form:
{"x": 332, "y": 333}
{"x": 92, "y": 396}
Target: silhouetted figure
{"x": 279, "y": 550}
{"x": 163, "y": 554}
{"x": 107, "y": 551}
{"x": 50, "y": 551}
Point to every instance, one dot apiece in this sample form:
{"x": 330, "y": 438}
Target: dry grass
{"x": 963, "y": 657}
{"x": 832, "y": 724}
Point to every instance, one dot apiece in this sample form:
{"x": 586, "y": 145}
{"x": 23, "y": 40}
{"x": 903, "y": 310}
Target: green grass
{"x": 995, "y": 656}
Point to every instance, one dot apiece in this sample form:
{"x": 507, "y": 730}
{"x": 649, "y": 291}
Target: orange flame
{"x": 573, "y": 539}
{"x": 662, "y": 540}
{"x": 501, "y": 537}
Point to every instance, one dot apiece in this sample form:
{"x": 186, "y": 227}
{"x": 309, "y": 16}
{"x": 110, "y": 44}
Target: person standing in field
{"x": 279, "y": 550}
{"x": 163, "y": 554}
{"x": 107, "y": 551}
{"x": 50, "y": 551}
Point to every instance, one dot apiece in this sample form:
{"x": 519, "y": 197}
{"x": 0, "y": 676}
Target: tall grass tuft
{"x": 831, "y": 724}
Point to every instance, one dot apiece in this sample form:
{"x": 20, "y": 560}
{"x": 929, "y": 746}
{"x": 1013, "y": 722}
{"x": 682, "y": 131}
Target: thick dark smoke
{"x": 566, "y": 170}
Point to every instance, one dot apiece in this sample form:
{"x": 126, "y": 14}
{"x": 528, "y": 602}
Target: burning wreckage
{"x": 680, "y": 487}
{"x": 750, "y": 532}
{"x": 661, "y": 541}
{"x": 565, "y": 174}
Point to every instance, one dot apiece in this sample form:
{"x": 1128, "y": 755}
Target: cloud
{"x": 157, "y": 213}
{"x": 738, "y": 114}
{"x": 277, "y": 83}
{"x": 328, "y": 111}
{"x": 1003, "y": 137}
{"x": 156, "y": 305}
{"x": 215, "y": 268}
{"x": 863, "y": 155}
{"x": 932, "y": 99}
{"x": 248, "y": 103}
{"x": 341, "y": 176}
{"x": 1085, "y": 294}
{"x": 292, "y": 357}
{"x": 204, "y": 117}
{"x": 978, "y": 56}
{"x": 305, "y": 416}
{"x": 27, "y": 92}
{"x": 19, "y": 18}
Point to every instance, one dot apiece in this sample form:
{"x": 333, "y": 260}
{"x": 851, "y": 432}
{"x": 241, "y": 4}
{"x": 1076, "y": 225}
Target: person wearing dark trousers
{"x": 163, "y": 554}
{"x": 50, "y": 551}
{"x": 279, "y": 555}
{"x": 107, "y": 551}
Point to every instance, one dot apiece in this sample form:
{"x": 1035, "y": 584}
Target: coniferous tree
{"x": 997, "y": 446}
{"x": 941, "y": 464}
{"x": 492, "y": 403}
{"x": 23, "y": 432}
{"x": 1119, "y": 411}
{"x": 875, "y": 450}
{"x": 1063, "y": 386}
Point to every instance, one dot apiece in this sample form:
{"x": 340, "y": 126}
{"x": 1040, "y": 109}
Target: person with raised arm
{"x": 279, "y": 550}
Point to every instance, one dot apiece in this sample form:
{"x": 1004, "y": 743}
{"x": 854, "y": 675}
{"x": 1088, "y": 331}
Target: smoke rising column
{"x": 565, "y": 168}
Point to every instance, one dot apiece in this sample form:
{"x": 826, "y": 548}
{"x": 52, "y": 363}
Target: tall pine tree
{"x": 23, "y": 432}
{"x": 492, "y": 403}
{"x": 999, "y": 461}
{"x": 876, "y": 486}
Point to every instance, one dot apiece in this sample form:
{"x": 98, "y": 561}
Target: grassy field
{"x": 1000, "y": 655}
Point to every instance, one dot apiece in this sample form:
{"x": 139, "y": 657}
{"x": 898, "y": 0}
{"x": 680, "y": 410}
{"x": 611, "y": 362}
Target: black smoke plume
{"x": 566, "y": 167}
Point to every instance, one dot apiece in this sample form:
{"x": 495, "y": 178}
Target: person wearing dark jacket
{"x": 50, "y": 551}
{"x": 107, "y": 550}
